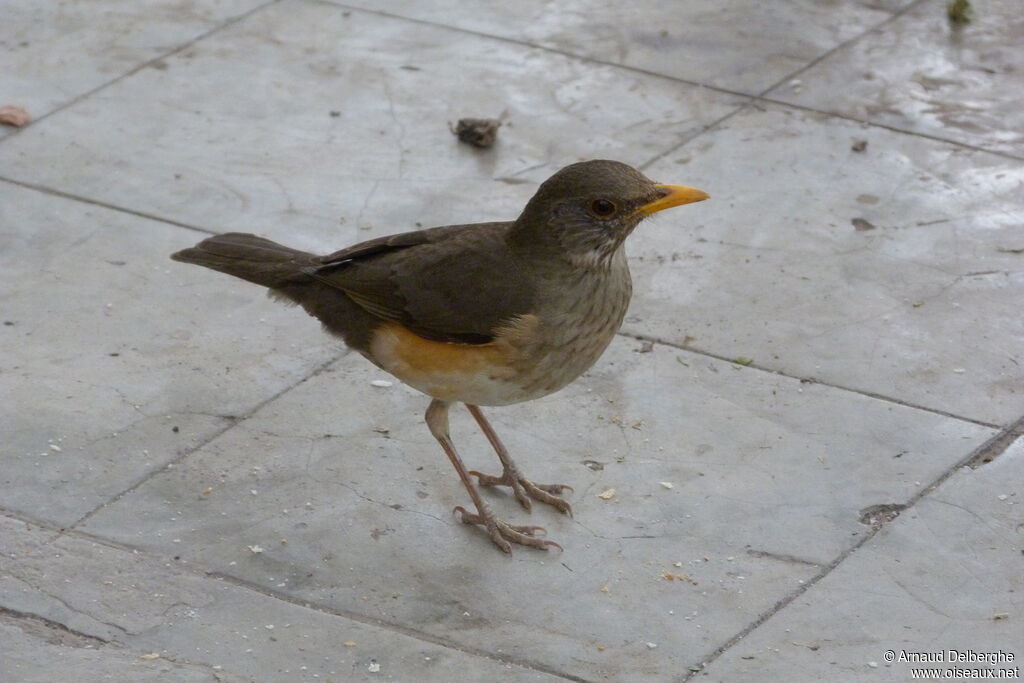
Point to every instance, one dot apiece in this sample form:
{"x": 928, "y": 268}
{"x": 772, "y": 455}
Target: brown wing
{"x": 457, "y": 283}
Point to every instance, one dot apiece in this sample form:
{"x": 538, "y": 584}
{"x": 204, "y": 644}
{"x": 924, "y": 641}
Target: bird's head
{"x": 586, "y": 210}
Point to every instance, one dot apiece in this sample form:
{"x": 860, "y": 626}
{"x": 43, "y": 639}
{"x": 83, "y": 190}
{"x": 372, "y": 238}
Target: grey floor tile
{"x": 922, "y": 74}
{"x": 116, "y": 359}
{"x": 313, "y": 539}
{"x": 896, "y": 270}
{"x": 337, "y": 494}
{"x": 945, "y": 575}
{"x": 32, "y": 653}
{"x": 237, "y": 132}
{"x": 136, "y": 618}
{"x": 745, "y": 46}
{"x": 55, "y": 52}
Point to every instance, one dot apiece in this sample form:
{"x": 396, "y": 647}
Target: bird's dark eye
{"x": 602, "y": 208}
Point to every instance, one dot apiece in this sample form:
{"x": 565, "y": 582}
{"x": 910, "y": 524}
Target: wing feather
{"x": 455, "y": 283}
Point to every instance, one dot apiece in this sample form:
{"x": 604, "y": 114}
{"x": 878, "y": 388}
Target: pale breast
{"x": 575, "y": 333}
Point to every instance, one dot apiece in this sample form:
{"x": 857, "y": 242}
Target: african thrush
{"x": 485, "y": 314}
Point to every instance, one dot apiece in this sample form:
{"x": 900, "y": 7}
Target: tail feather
{"x": 283, "y": 270}
{"x": 249, "y": 257}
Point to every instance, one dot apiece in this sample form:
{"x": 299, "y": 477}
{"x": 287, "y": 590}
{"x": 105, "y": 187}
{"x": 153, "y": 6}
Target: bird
{"x": 484, "y": 314}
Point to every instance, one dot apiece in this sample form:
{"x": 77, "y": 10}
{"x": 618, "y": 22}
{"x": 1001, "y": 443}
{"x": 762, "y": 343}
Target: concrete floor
{"x": 812, "y": 418}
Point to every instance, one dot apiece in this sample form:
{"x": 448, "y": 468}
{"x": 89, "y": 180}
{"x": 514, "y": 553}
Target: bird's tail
{"x": 249, "y": 257}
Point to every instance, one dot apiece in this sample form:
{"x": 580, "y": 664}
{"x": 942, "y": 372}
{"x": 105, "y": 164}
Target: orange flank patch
{"x": 471, "y": 373}
{"x": 421, "y": 355}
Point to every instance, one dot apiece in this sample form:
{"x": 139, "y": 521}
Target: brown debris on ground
{"x": 477, "y": 132}
{"x": 959, "y": 12}
{"x": 11, "y": 115}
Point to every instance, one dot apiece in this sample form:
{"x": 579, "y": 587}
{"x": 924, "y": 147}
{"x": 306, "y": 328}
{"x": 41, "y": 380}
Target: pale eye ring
{"x": 602, "y": 208}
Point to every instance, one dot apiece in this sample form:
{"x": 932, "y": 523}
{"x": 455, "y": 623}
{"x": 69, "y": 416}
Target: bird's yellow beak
{"x": 675, "y": 195}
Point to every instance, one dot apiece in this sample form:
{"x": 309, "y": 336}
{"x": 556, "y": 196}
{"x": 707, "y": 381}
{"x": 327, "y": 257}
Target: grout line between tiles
{"x": 841, "y": 46}
{"x": 525, "y": 43}
{"x": 689, "y": 138}
{"x": 186, "y": 453}
{"x": 43, "y": 189}
{"x": 400, "y": 629}
{"x": 753, "y": 98}
{"x": 761, "y": 97}
{"x": 632, "y": 335}
{"x": 810, "y": 380}
{"x": 991, "y": 447}
{"x": 888, "y": 127}
{"x": 998, "y": 446}
{"x": 131, "y": 72}
{"x": 393, "y": 627}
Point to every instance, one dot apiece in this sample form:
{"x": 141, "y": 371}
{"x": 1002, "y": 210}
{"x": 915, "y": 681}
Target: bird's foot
{"x": 501, "y": 533}
{"x": 524, "y": 489}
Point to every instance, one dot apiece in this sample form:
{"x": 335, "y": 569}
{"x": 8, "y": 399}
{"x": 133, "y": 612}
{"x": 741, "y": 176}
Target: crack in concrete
{"x": 401, "y": 132}
{"x": 782, "y": 557}
{"x": 366, "y": 203}
{"x": 51, "y": 630}
{"x": 64, "y": 603}
{"x": 390, "y": 506}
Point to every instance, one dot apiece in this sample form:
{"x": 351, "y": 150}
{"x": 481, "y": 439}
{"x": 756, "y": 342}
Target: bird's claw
{"x": 523, "y": 489}
{"x": 501, "y": 532}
